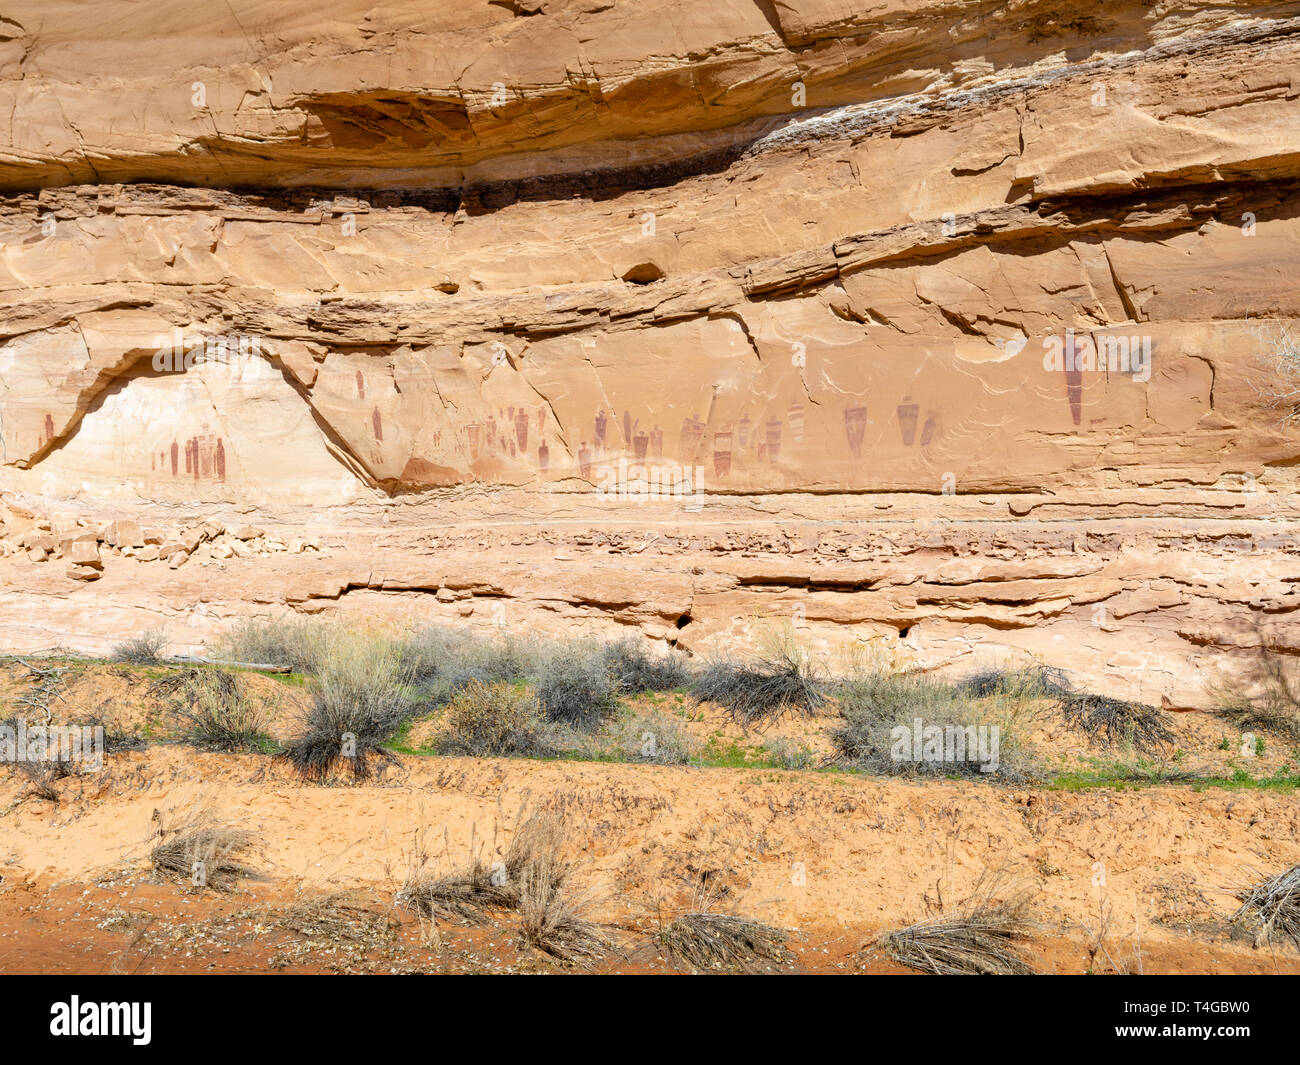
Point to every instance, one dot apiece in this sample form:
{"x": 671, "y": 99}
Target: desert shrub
{"x": 786, "y": 753}
{"x": 1115, "y": 721}
{"x": 117, "y": 738}
{"x": 879, "y": 732}
{"x": 782, "y": 681}
{"x": 495, "y": 719}
{"x": 874, "y": 705}
{"x": 431, "y": 653}
{"x": 1101, "y": 718}
{"x": 506, "y": 658}
{"x": 1028, "y": 682}
{"x": 655, "y": 738}
{"x": 214, "y": 709}
{"x": 1267, "y": 713}
{"x": 298, "y": 643}
{"x": 635, "y": 669}
{"x": 143, "y": 650}
{"x": 197, "y": 846}
{"x": 445, "y": 663}
{"x": 360, "y": 696}
{"x": 575, "y": 686}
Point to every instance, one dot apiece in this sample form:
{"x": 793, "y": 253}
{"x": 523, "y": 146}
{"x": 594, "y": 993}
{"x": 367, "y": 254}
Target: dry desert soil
{"x": 1131, "y": 862}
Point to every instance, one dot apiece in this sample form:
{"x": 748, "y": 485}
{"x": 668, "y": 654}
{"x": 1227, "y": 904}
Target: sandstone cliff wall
{"x": 950, "y": 322}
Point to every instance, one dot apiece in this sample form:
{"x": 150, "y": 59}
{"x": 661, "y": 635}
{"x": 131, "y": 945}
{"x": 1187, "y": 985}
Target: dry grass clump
{"x": 552, "y": 913}
{"x": 465, "y": 895}
{"x": 1116, "y": 721}
{"x": 143, "y": 650}
{"x": 722, "y": 941}
{"x": 535, "y": 880}
{"x": 42, "y": 777}
{"x": 214, "y": 708}
{"x": 782, "y": 681}
{"x": 495, "y": 719}
{"x": 196, "y": 846}
{"x": 41, "y": 774}
{"x": 1272, "y": 907}
{"x": 981, "y": 939}
{"x": 361, "y": 695}
{"x": 1267, "y": 713}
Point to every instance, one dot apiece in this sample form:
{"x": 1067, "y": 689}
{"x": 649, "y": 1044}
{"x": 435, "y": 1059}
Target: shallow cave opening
{"x": 684, "y": 620}
{"x": 643, "y": 274}
{"x": 902, "y": 633}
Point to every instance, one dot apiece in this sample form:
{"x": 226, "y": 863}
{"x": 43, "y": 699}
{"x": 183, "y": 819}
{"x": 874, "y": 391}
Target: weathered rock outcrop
{"x": 947, "y": 320}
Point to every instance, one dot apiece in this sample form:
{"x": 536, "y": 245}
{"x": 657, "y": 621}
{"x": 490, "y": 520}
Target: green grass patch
{"x": 1135, "y": 778}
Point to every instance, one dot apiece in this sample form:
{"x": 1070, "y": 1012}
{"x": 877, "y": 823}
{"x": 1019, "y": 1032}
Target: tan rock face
{"x": 925, "y": 319}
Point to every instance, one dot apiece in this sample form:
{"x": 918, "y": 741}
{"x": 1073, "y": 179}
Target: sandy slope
{"x": 873, "y": 854}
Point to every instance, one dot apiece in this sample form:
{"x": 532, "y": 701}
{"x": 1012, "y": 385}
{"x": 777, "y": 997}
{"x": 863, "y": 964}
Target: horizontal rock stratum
{"x": 954, "y": 324}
